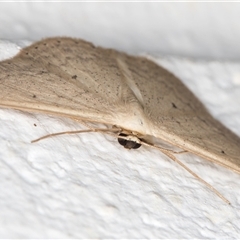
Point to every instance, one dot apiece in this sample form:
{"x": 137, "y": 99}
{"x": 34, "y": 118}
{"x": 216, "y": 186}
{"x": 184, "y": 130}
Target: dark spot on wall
{"x": 34, "y": 96}
{"x": 222, "y": 152}
{"x": 74, "y": 77}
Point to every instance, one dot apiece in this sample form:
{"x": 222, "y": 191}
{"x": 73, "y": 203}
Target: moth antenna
{"x": 78, "y": 131}
{"x": 169, "y": 154}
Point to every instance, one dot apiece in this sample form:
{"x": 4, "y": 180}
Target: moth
{"x": 139, "y": 100}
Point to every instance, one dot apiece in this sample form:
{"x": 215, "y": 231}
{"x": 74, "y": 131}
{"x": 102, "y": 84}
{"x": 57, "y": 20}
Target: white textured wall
{"x": 89, "y": 186}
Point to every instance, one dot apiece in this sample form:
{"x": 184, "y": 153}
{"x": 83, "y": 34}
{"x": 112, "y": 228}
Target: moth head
{"x": 129, "y": 141}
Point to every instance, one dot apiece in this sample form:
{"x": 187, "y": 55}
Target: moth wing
{"x": 178, "y": 117}
{"x": 67, "y": 77}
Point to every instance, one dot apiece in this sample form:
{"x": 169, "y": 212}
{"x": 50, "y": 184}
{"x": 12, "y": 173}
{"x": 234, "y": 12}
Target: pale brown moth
{"x": 137, "y": 98}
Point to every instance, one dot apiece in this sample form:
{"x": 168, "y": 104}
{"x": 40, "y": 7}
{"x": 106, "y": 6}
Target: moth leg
{"x": 183, "y": 151}
{"x": 169, "y": 153}
{"x": 144, "y": 142}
